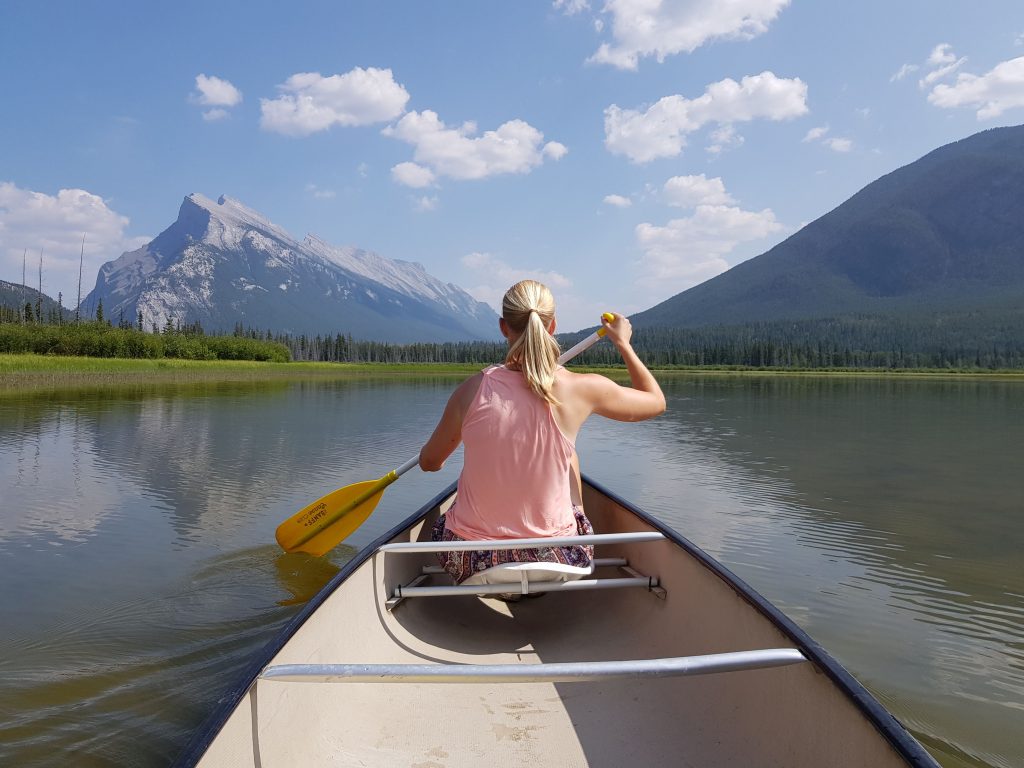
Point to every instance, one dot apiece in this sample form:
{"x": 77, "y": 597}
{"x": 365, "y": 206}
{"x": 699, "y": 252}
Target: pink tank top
{"x": 515, "y": 476}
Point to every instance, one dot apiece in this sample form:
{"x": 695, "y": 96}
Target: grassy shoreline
{"x": 26, "y": 372}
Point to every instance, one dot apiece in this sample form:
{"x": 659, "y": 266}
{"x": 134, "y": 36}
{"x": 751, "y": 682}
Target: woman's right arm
{"x": 644, "y": 400}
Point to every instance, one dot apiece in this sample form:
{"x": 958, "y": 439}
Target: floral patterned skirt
{"x": 462, "y": 565}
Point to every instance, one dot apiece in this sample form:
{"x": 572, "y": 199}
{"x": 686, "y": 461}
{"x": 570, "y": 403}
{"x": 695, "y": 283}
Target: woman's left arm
{"x": 448, "y": 432}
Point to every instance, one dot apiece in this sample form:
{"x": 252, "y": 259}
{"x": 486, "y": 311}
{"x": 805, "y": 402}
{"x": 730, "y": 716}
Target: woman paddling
{"x": 519, "y": 422}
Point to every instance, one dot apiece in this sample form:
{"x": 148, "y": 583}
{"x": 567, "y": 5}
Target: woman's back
{"x": 515, "y": 477}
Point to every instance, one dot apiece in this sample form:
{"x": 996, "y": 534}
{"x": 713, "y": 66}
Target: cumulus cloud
{"x": 55, "y": 223}
{"x": 619, "y": 201}
{"x": 689, "y": 250}
{"x": 903, "y": 71}
{"x": 572, "y": 7}
{"x": 943, "y": 63}
{"x": 216, "y": 93}
{"x": 491, "y": 277}
{"x": 310, "y": 102}
{"x": 642, "y": 28}
{"x": 427, "y": 203}
{"x": 722, "y": 138}
{"x": 990, "y": 95}
{"x": 661, "y": 129}
{"x": 835, "y": 143}
{"x": 412, "y": 175}
{"x": 839, "y": 145}
{"x": 457, "y": 153}
{"x": 693, "y": 191}
{"x": 318, "y": 193}
{"x": 815, "y": 133}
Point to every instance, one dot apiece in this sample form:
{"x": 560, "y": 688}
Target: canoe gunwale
{"x": 230, "y": 699}
{"x": 883, "y": 721}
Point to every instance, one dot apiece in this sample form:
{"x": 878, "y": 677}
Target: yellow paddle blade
{"x": 325, "y": 523}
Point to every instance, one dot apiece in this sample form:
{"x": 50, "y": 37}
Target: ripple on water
{"x": 128, "y": 684}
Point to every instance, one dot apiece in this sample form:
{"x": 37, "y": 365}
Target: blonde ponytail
{"x": 528, "y": 308}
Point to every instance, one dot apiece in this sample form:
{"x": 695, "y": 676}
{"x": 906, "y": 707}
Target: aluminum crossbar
{"x": 647, "y": 582}
{"x": 554, "y": 541}
{"x": 569, "y": 672}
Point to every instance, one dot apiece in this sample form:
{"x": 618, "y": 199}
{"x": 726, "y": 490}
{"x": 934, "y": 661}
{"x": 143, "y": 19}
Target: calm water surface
{"x": 140, "y": 570}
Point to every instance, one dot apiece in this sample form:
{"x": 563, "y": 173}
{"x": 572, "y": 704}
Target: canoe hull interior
{"x": 799, "y": 715}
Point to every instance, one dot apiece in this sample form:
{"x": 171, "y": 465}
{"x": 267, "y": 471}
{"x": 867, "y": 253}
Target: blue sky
{"x": 620, "y": 151}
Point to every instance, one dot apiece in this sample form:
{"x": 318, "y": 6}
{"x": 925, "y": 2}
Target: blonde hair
{"x": 529, "y": 308}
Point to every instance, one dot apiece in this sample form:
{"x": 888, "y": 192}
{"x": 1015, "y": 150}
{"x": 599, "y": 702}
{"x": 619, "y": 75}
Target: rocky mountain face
{"x": 222, "y": 263}
{"x": 943, "y": 234}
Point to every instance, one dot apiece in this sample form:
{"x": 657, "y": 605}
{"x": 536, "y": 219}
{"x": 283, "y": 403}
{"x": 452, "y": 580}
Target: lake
{"x": 884, "y": 515}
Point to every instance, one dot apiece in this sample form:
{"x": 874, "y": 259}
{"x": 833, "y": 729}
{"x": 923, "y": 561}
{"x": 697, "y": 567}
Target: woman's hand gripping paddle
{"x": 321, "y": 526}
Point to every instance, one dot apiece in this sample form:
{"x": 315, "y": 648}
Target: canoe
{"x": 660, "y": 657}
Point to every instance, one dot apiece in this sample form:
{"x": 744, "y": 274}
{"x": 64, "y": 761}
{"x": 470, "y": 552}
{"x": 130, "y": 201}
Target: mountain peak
{"x": 222, "y": 262}
{"x": 233, "y": 216}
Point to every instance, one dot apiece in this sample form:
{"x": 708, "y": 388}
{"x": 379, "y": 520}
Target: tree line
{"x": 960, "y": 341}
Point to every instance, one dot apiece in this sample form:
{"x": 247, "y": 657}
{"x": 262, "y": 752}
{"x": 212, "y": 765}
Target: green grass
{"x": 20, "y": 372}
{"x": 33, "y": 372}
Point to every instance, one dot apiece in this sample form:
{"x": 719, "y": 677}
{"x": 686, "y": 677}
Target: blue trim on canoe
{"x": 893, "y": 730}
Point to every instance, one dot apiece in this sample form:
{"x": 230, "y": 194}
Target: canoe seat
{"x": 524, "y": 578}
{"x": 525, "y": 573}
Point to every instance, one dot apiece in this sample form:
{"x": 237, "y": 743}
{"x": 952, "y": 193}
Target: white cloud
{"x": 515, "y": 147}
{"x": 816, "y": 133}
{"x": 572, "y": 7}
{"x": 648, "y": 28}
{"x": 836, "y": 144}
{"x": 693, "y": 191}
{"x": 661, "y": 130}
{"x": 991, "y": 94}
{"x": 55, "y": 224}
{"x": 690, "y": 250}
{"x": 1020, "y": 40}
{"x": 722, "y": 138}
{"x": 619, "y": 201}
{"x": 492, "y": 277}
{"x": 944, "y": 71}
{"x": 941, "y": 55}
{"x": 839, "y": 145}
{"x": 425, "y": 203}
{"x": 412, "y": 175}
{"x": 311, "y": 102}
{"x": 216, "y": 93}
{"x": 320, "y": 194}
{"x": 903, "y": 71}
{"x": 555, "y": 151}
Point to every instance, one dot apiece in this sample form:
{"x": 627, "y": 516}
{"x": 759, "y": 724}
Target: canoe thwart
{"x": 564, "y": 672}
{"x": 409, "y": 547}
{"x": 646, "y": 582}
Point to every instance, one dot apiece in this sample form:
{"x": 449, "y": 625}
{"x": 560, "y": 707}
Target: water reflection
{"x": 126, "y": 684}
{"x": 140, "y": 573}
{"x": 882, "y": 515}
